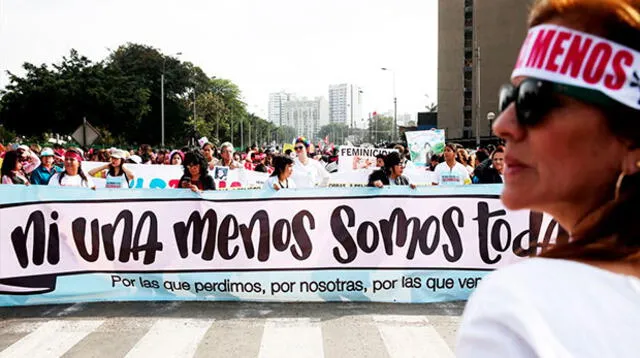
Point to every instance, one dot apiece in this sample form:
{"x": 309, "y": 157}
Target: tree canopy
{"x": 121, "y": 96}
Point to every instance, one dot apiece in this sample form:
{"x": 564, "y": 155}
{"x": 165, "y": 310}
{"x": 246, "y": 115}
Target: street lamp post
{"x": 395, "y": 104}
{"x": 164, "y": 62}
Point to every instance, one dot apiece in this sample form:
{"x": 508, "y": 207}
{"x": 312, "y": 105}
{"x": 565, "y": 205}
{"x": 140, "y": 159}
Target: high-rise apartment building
{"x": 306, "y": 115}
{"x": 276, "y": 103}
{"x": 345, "y": 104}
{"x": 478, "y": 42}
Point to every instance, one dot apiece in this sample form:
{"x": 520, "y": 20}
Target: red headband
{"x": 74, "y": 155}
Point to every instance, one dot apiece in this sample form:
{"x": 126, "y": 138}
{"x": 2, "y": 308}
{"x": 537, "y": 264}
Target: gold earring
{"x": 620, "y": 180}
{"x": 638, "y": 164}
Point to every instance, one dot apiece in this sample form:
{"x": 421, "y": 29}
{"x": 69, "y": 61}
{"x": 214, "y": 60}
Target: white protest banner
{"x": 168, "y": 176}
{"x": 364, "y": 244}
{"x": 417, "y": 175}
{"x": 423, "y": 144}
{"x": 358, "y": 158}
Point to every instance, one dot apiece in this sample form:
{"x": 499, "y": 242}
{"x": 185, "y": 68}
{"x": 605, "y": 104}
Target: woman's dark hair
{"x": 481, "y": 156}
{"x": 195, "y": 157}
{"x": 462, "y": 156}
{"x": 280, "y": 163}
{"x": 499, "y": 149}
{"x": 610, "y": 233}
{"x": 452, "y": 146}
{"x": 112, "y": 170}
{"x": 9, "y": 163}
{"x": 392, "y": 159}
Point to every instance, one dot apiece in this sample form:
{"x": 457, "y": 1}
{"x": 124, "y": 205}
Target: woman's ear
{"x": 631, "y": 162}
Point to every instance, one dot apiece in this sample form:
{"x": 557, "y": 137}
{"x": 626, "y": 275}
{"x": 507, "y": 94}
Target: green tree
{"x": 336, "y": 132}
{"x": 209, "y": 110}
{"x": 286, "y": 134}
{"x": 142, "y": 67}
{"x": 380, "y": 129}
{"x": 121, "y": 96}
{"x": 234, "y": 107}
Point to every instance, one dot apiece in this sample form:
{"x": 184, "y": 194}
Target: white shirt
{"x": 309, "y": 175}
{"x": 117, "y": 182}
{"x": 458, "y": 175}
{"x": 71, "y": 180}
{"x": 288, "y": 184}
{"x": 392, "y": 182}
{"x": 552, "y": 308}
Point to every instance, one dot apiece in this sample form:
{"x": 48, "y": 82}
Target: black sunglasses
{"x": 299, "y": 147}
{"x": 533, "y": 99}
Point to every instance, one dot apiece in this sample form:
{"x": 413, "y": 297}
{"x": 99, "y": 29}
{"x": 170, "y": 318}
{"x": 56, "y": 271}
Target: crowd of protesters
{"x": 306, "y": 166}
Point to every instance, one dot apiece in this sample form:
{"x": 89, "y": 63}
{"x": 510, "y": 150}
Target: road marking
{"x": 291, "y": 337}
{"x": 51, "y": 339}
{"x": 71, "y": 309}
{"x": 411, "y": 336}
{"x": 171, "y": 338}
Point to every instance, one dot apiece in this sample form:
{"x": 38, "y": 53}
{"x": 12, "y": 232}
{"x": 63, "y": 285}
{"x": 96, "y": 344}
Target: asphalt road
{"x": 230, "y": 329}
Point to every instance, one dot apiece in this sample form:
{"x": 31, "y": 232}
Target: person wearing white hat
{"x": 42, "y": 174}
{"x": 134, "y": 159}
{"x": 115, "y": 173}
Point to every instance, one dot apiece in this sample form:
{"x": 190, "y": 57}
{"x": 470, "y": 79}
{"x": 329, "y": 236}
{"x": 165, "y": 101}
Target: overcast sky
{"x": 301, "y": 46}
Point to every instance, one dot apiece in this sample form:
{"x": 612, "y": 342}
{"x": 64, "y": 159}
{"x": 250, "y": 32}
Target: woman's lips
{"x": 513, "y": 167}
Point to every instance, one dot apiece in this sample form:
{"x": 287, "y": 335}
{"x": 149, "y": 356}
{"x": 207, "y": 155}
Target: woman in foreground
{"x": 566, "y": 108}
{"x": 196, "y": 173}
{"x": 281, "y": 177}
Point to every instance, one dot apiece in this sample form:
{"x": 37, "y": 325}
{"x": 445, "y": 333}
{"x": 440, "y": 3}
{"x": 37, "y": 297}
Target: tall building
{"x": 345, "y": 104}
{"x": 306, "y": 115}
{"x": 276, "y": 102}
{"x": 478, "y": 42}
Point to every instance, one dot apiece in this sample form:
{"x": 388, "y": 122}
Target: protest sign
{"x": 168, "y": 176}
{"x": 288, "y": 146}
{"x": 359, "y": 158}
{"x": 423, "y": 144}
{"x": 60, "y": 245}
{"x": 417, "y": 175}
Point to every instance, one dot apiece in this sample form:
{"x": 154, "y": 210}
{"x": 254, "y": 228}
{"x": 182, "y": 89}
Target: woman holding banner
{"x": 196, "y": 173}
{"x": 450, "y": 172}
{"x": 307, "y": 172}
{"x": 72, "y": 174}
{"x": 281, "y": 177}
{"x": 115, "y": 173}
{"x": 566, "y": 108}
{"x": 391, "y": 174}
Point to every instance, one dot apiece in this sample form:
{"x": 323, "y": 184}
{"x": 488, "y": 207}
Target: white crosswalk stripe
{"x": 291, "y": 337}
{"x": 411, "y": 336}
{"x": 394, "y": 336}
{"x": 51, "y": 339}
{"x": 171, "y": 338}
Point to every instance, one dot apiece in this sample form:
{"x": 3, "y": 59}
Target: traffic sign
{"x": 86, "y": 134}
